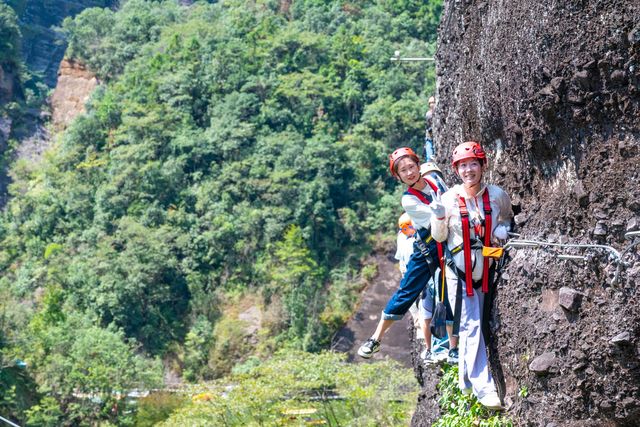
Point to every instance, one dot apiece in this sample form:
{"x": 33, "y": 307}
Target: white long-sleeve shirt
{"x": 404, "y": 250}
{"x": 450, "y": 228}
{"x": 419, "y": 212}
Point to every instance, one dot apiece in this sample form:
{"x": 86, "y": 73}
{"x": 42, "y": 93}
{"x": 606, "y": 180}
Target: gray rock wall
{"x": 552, "y": 90}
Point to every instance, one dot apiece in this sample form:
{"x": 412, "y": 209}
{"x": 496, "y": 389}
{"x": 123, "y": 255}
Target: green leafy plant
{"x": 524, "y": 391}
{"x": 306, "y": 387}
{"x": 369, "y": 272}
{"x": 460, "y": 410}
{"x": 157, "y": 407}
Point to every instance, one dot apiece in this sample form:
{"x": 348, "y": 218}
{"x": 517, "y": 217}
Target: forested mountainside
{"x": 553, "y": 90}
{"x": 215, "y": 202}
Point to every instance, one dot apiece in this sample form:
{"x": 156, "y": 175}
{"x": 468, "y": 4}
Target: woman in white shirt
{"x": 470, "y": 216}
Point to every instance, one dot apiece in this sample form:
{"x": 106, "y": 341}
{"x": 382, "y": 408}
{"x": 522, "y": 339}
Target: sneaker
{"x": 440, "y": 356}
{"x": 491, "y": 401}
{"x": 427, "y": 357}
{"x": 369, "y": 347}
{"x": 452, "y": 358}
{"x": 466, "y": 391}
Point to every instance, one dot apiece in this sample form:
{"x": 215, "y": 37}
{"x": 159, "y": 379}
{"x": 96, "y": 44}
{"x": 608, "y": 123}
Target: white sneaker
{"x": 491, "y": 401}
{"x": 369, "y": 347}
{"x": 440, "y": 356}
{"x": 427, "y": 357}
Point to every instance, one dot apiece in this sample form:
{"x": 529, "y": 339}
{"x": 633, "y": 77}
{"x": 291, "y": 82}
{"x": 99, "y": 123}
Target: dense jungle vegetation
{"x": 235, "y": 156}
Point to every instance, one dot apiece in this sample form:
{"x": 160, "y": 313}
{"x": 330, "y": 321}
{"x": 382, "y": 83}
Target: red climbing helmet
{"x": 397, "y": 155}
{"x": 468, "y": 150}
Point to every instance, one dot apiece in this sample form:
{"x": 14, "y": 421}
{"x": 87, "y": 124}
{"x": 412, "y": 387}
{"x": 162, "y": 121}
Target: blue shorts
{"x": 420, "y": 269}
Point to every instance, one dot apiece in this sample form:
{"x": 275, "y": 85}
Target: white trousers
{"x": 473, "y": 366}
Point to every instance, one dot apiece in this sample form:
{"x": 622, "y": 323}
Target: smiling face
{"x": 470, "y": 172}
{"x": 408, "y": 170}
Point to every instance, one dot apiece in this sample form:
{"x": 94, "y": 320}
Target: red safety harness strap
{"x": 487, "y": 238}
{"x": 421, "y": 196}
{"x": 466, "y": 242}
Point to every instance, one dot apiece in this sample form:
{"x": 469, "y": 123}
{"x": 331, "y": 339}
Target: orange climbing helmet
{"x": 468, "y": 150}
{"x": 405, "y": 225}
{"x": 397, "y": 155}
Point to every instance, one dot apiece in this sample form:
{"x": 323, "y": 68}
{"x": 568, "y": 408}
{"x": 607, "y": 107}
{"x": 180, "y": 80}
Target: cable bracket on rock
{"x": 615, "y": 256}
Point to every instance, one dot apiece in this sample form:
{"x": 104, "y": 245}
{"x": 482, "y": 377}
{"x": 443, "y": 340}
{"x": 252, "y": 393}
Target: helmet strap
{"x": 416, "y": 181}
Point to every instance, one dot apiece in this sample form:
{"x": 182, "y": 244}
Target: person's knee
{"x": 391, "y": 316}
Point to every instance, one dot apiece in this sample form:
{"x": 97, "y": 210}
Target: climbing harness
{"x": 466, "y": 241}
{"x": 490, "y": 273}
{"x": 421, "y": 241}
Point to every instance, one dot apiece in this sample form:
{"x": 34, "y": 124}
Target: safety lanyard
{"x": 466, "y": 242}
{"x": 423, "y": 198}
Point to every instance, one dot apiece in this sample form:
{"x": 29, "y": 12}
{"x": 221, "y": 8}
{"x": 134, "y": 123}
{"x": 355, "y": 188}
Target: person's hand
{"x": 437, "y": 208}
{"x": 501, "y": 232}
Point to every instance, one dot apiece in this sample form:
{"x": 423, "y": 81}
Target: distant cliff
{"x": 75, "y": 85}
{"x": 42, "y": 47}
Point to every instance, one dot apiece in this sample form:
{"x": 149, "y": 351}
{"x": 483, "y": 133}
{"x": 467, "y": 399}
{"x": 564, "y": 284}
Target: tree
{"x": 296, "y": 276}
{"x": 9, "y": 37}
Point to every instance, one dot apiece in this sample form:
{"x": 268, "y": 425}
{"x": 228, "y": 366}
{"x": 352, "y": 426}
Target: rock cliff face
{"x": 42, "y": 47}
{"x": 8, "y": 83}
{"x": 75, "y": 85}
{"x": 8, "y": 86}
{"x": 552, "y": 89}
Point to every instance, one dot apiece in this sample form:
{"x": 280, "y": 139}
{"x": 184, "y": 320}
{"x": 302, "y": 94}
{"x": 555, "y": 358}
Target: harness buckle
{"x": 422, "y": 244}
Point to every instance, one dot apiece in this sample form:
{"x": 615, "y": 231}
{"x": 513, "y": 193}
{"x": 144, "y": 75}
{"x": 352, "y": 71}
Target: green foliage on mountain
{"x": 296, "y": 388}
{"x": 236, "y": 151}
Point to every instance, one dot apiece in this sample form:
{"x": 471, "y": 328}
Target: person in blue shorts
{"x": 427, "y": 257}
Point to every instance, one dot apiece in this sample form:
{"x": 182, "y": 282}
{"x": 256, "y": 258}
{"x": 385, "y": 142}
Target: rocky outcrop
{"x": 8, "y": 83}
{"x": 552, "y": 89}
{"x": 75, "y": 86}
{"x": 42, "y": 46}
{"x": 364, "y": 321}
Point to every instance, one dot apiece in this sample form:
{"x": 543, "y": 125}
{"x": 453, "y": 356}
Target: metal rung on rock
{"x": 572, "y": 257}
{"x": 521, "y": 245}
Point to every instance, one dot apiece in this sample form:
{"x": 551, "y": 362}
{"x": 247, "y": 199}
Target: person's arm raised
{"x": 439, "y": 228}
